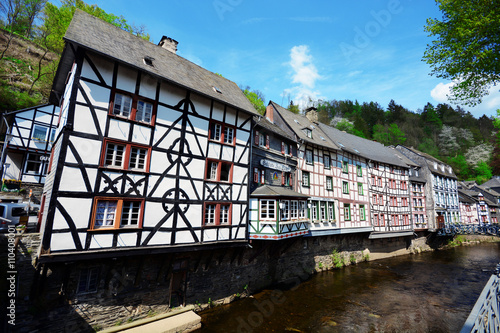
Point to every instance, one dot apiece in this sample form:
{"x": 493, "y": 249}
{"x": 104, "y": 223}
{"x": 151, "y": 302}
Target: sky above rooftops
{"x": 295, "y": 50}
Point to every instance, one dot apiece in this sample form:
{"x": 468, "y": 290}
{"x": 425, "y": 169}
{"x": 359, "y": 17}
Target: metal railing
{"x": 469, "y": 229}
{"x": 485, "y": 316}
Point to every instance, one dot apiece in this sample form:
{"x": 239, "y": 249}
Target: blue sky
{"x": 292, "y": 50}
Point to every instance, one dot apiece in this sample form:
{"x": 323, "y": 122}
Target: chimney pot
{"x": 169, "y": 43}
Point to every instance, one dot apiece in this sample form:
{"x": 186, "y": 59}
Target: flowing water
{"x": 428, "y": 292}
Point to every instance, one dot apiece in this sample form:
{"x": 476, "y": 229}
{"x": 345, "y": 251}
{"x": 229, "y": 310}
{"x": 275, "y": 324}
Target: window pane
{"x": 137, "y": 158}
{"x": 144, "y": 111}
{"x": 122, "y": 105}
{"x": 114, "y": 155}
{"x": 225, "y": 171}
{"x": 105, "y": 213}
{"x": 229, "y": 135}
{"x": 130, "y": 213}
{"x": 210, "y": 214}
{"x": 40, "y": 132}
{"x": 224, "y": 214}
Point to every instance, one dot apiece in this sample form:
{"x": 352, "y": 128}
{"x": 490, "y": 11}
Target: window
{"x": 285, "y": 210}
{"x": 117, "y": 213}
{"x": 326, "y": 161}
{"x": 88, "y": 280}
{"x": 345, "y": 167}
{"x": 267, "y": 210}
{"x": 39, "y": 133}
{"x": 125, "y": 156}
{"x": 331, "y": 211}
{"x": 360, "y": 189}
{"x": 262, "y": 140}
{"x": 403, "y": 185}
{"x": 218, "y": 171}
{"x": 309, "y": 156}
{"x": 34, "y": 164}
{"x": 308, "y": 132}
{"x": 222, "y": 133}
{"x": 374, "y": 181}
{"x": 345, "y": 187}
{"x": 395, "y": 220}
{"x": 404, "y": 202}
{"x": 329, "y": 183}
{"x": 302, "y": 209}
{"x": 286, "y": 178}
{"x": 347, "y": 212}
{"x": 314, "y": 210}
{"x": 362, "y": 213}
{"x": 305, "y": 179}
{"x": 262, "y": 176}
{"x": 379, "y": 181}
{"x": 375, "y": 199}
{"x": 359, "y": 171}
{"x": 322, "y": 210}
{"x": 286, "y": 149}
{"x": 294, "y": 211}
{"x": 132, "y": 107}
{"x": 256, "y": 175}
{"x": 217, "y": 214}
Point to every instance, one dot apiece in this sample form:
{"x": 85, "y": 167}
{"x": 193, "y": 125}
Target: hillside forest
{"x": 31, "y": 41}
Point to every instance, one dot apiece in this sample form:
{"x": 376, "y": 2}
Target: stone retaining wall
{"x": 136, "y": 287}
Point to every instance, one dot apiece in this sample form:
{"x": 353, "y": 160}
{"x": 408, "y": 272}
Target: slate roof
{"x": 430, "y": 160}
{"x": 298, "y": 123}
{"x": 266, "y": 124}
{"x": 106, "y": 39}
{"x": 464, "y": 197}
{"x": 279, "y": 191}
{"x": 368, "y": 149}
{"x": 493, "y": 182}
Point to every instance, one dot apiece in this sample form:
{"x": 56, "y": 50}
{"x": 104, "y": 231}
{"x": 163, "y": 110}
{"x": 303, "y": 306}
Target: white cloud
{"x": 488, "y": 106}
{"x": 305, "y": 74}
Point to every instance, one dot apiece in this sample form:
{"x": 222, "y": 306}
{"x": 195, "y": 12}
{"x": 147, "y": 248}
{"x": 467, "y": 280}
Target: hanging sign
{"x": 276, "y": 166}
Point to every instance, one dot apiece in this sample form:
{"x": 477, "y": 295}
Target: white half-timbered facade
{"x": 334, "y": 180}
{"x": 32, "y": 132}
{"x": 152, "y": 150}
{"x": 441, "y": 194}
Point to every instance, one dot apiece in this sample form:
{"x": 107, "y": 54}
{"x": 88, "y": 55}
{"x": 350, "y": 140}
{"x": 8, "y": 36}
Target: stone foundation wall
{"x": 135, "y": 287}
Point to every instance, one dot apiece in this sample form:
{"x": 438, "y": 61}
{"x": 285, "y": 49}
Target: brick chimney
{"x": 270, "y": 113}
{"x": 312, "y": 114}
{"x": 169, "y": 44}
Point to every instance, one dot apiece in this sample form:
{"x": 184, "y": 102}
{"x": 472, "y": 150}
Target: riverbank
{"x": 427, "y": 292}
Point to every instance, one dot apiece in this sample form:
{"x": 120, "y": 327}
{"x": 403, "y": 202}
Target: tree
{"x": 483, "y": 172}
{"x": 495, "y": 159}
{"x": 466, "y": 47}
{"x": 57, "y": 20}
{"x": 348, "y": 127}
{"x": 255, "y": 99}
{"x": 294, "y": 108}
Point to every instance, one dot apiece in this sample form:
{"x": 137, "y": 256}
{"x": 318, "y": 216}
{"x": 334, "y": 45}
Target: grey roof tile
{"x": 106, "y": 39}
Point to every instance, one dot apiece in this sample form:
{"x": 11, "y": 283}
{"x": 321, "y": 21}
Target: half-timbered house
{"x": 468, "y": 208}
{"x": 417, "y": 198}
{"x": 152, "y": 151}
{"x": 335, "y": 180}
{"x": 29, "y": 142}
{"x": 277, "y": 211}
{"x": 383, "y": 178}
{"x": 441, "y": 190}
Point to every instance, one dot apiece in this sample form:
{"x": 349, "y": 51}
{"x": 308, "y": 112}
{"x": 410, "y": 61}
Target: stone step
{"x": 180, "y": 320}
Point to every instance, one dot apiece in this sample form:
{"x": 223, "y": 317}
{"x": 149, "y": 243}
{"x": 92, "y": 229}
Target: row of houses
{"x": 141, "y": 149}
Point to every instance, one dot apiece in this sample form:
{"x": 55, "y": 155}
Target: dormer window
{"x": 308, "y": 132}
{"x": 148, "y": 61}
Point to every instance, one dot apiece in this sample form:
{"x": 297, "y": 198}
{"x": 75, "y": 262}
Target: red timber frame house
{"x": 151, "y": 153}
{"x": 386, "y": 177}
{"x": 335, "y": 180}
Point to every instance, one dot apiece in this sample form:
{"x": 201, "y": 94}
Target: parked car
{"x": 12, "y": 214}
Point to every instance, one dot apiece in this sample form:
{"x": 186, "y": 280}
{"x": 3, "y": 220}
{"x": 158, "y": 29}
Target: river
{"x": 427, "y": 292}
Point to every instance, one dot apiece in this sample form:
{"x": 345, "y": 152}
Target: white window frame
{"x": 270, "y": 209}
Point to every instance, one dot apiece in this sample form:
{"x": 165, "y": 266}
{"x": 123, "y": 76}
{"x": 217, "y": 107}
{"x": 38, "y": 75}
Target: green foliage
{"x": 346, "y": 126}
{"x": 13, "y": 99}
{"x": 388, "y": 135}
{"x": 465, "y": 48}
{"x": 483, "y": 172}
{"x": 256, "y": 100}
{"x": 460, "y": 166}
{"x": 293, "y": 108}
{"x": 338, "y": 259}
{"x": 57, "y": 20}
{"x": 428, "y": 146}
{"x": 352, "y": 259}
